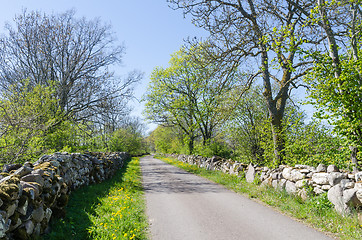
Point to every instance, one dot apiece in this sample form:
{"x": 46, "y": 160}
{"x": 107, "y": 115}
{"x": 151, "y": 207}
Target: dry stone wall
{"x": 33, "y": 193}
{"x": 344, "y": 188}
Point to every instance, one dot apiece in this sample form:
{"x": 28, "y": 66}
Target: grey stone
{"x": 326, "y": 187}
{"x": 305, "y": 171}
{"x": 318, "y": 190}
{"x": 33, "y": 178}
{"x": 48, "y": 214}
{"x": 38, "y": 214}
{"x": 343, "y": 199}
{"x": 302, "y": 183}
{"x": 301, "y": 166}
{"x": 28, "y": 164}
{"x": 31, "y": 187}
{"x": 332, "y": 168}
{"x": 321, "y": 168}
{"x": 275, "y": 184}
{"x": 351, "y": 176}
{"x": 309, "y": 175}
{"x": 55, "y": 163}
{"x": 275, "y": 176}
{"x": 287, "y": 173}
{"x": 38, "y": 171}
{"x": 23, "y": 171}
{"x": 9, "y": 167}
{"x": 282, "y": 183}
{"x": 267, "y": 181}
{"x": 29, "y": 227}
{"x": 37, "y": 229}
{"x": 358, "y": 187}
{"x": 47, "y": 183}
{"x": 358, "y": 176}
{"x": 335, "y": 196}
{"x": 346, "y": 184}
{"x": 3, "y": 227}
{"x": 320, "y": 178}
{"x": 296, "y": 175}
{"x": 290, "y": 187}
{"x": 303, "y": 194}
{"x": 335, "y": 178}
{"x": 22, "y": 209}
{"x": 350, "y": 198}
{"x": 10, "y": 209}
{"x": 250, "y": 174}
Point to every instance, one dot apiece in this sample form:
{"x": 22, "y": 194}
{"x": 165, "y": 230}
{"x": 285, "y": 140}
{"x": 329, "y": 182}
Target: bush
{"x": 215, "y": 148}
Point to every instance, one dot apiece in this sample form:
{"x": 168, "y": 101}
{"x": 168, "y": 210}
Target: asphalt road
{"x": 183, "y": 206}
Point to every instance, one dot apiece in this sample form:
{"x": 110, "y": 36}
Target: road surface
{"x": 182, "y": 206}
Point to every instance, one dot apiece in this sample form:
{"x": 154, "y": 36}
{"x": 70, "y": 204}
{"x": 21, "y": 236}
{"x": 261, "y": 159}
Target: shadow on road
{"x": 160, "y": 177}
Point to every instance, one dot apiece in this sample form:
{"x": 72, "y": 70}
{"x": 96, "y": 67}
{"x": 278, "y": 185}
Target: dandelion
{"x": 125, "y": 235}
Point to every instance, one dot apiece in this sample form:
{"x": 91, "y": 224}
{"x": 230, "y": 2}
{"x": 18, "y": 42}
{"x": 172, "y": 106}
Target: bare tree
{"x": 75, "y": 54}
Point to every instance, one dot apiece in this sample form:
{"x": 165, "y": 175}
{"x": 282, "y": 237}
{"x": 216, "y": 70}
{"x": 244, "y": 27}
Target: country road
{"x": 183, "y": 206}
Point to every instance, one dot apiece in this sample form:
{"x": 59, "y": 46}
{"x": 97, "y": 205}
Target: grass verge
{"x": 113, "y": 209}
{"x": 316, "y": 211}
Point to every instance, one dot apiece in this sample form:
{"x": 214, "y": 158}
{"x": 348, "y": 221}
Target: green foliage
{"x": 119, "y": 202}
{"x": 33, "y": 124}
{"x": 125, "y": 140}
{"x": 250, "y": 135}
{"x": 27, "y": 115}
{"x": 190, "y": 94}
{"x": 338, "y": 100}
{"x": 249, "y": 128}
{"x": 313, "y": 144}
{"x": 319, "y": 203}
{"x": 215, "y": 148}
{"x": 166, "y": 140}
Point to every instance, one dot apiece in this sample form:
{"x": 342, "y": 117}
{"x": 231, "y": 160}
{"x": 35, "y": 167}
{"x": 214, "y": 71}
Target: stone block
{"x": 332, "y": 168}
{"x": 321, "y": 168}
{"x": 290, "y": 187}
{"x": 320, "y": 178}
{"x": 250, "y": 174}
{"x": 335, "y": 177}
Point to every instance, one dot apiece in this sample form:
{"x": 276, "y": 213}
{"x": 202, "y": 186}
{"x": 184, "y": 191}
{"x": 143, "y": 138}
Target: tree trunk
{"x": 354, "y": 151}
{"x": 278, "y": 139}
{"x": 191, "y": 145}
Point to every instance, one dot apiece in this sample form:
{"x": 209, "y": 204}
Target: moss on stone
{"x": 4, "y": 174}
{"x": 44, "y": 166}
{"x": 5, "y": 196}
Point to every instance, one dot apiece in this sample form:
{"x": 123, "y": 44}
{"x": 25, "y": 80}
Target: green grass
{"x": 113, "y": 209}
{"x": 316, "y": 211}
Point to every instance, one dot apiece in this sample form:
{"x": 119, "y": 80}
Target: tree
{"x": 248, "y": 126}
{"x": 274, "y": 34}
{"x": 166, "y": 140}
{"x": 190, "y": 94}
{"x": 75, "y": 54}
{"x": 26, "y": 117}
{"x": 336, "y": 78}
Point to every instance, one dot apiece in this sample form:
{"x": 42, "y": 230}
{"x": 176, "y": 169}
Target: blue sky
{"x": 149, "y": 29}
